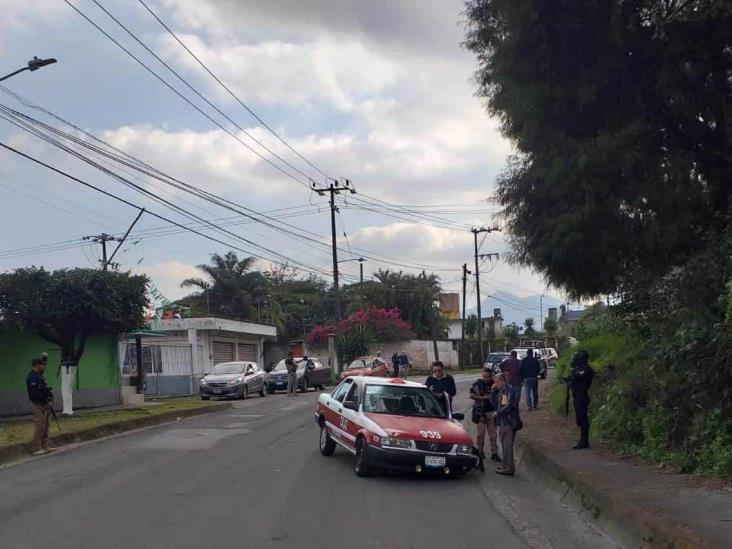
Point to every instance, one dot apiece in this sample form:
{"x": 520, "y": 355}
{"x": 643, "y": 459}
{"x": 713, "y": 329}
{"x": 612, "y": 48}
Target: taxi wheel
{"x": 327, "y": 444}
{"x": 362, "y": 466}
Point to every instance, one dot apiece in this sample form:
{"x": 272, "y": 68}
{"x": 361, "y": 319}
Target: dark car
{"x": 493, "y": 362}
{"x": 310, "y": 373}
{"x": 233, "y": 379}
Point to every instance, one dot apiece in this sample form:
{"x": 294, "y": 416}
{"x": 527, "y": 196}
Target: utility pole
{"x": 104, "y": 238}
{"x": 463, "y": 354}
{"x": 541, "y": 313}
{"x": 360, "y": 266}
{"x": 475, "y": 232}
{"x": 335, "y": 187}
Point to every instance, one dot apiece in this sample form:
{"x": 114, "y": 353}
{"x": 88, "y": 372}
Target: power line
{"x": 228, "y": 90}
{"x": 132, "y": 204}
{"x": 174, "y": 90}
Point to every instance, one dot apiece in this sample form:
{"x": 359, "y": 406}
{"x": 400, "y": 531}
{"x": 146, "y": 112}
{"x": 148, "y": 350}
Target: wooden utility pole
{"x": 475, "y": 232}
{"x": 334, "y": 188}
{"x": 463, "y": 354}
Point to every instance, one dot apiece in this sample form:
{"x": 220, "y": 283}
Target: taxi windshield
{"x": 402, "y": 401}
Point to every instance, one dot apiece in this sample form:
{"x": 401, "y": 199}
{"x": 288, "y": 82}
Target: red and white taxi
{"x": 392, "y": 423}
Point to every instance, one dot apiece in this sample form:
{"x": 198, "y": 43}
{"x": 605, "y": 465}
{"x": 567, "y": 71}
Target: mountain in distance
{"x": 517, "y": 309}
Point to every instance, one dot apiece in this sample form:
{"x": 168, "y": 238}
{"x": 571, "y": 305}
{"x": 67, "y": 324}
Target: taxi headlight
{"x": 392, "y": 442}
{"x": 464, "y": 449}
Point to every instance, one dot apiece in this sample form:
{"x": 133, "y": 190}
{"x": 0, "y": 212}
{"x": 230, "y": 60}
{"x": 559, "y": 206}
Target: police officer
{"x": 41, "y": 397}
{"x": 482, "y": 397}
{"x": 291, "y": 367}
{"x": 580, "y": 380}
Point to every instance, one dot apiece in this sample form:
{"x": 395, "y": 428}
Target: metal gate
{"x": 246, "y": 351}
{"x": 223, "y": 351}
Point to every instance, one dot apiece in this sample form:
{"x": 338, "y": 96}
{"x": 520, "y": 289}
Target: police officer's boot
{"x": 584, "y": 440}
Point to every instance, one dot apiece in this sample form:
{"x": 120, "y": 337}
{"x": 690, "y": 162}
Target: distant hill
{"x": 516, "y": 309}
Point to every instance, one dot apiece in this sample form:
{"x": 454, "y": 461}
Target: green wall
{"x": 98, "y": 367}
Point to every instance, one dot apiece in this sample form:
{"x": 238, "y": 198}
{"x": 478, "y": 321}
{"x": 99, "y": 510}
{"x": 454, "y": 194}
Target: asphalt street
{"x": 252, "y": 476}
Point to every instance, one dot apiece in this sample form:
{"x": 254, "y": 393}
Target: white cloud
{"x": 338, "y": 73}
{"x": 167, "y": 276}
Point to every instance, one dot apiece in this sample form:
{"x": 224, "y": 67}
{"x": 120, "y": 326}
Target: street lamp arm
{"x": 33, "y": 65}
{"x": 14, "y": 73}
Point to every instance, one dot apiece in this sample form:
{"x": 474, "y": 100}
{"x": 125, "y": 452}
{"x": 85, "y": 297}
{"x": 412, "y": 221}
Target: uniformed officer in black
{"x": 41, "y": 398}
{"x": 580, "y": 382}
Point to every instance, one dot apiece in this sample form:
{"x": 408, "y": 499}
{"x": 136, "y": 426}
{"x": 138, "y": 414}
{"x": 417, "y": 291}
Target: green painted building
{"x": 98, "y": 375}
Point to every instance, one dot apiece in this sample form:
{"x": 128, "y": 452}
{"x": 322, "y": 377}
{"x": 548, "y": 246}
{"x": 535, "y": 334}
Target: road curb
{"x": 632, "y": 525}
{"x": 21, "y": 450}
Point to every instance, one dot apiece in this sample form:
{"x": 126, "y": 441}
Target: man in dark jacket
{"x": 482, "y": 397}
{"x": 506, "y": 416}
{"x": 41, "y": 398}
{"x": 441, "y": 385}
{"x": 580, "y": 380}
{"x": 291, "y": 367}
{"x": 529, "y": 370}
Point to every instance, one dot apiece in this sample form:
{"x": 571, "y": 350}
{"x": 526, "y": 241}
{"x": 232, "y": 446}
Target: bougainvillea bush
{"x": 385, "y": 325}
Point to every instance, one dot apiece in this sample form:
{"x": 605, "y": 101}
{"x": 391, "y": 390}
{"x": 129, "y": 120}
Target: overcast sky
{"x": 378, "y": 92}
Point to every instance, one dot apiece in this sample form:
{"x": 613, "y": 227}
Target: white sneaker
{"x": 40, "y": 452}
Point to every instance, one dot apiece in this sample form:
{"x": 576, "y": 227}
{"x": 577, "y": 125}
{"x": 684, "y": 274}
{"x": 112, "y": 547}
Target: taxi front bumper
{"x": 408, "y": 460}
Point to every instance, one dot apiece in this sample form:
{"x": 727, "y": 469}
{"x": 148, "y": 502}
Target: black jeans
{"x": 581, "y": 407}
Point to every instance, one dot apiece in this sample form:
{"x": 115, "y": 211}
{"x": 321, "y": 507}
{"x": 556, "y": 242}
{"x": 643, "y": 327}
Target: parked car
{"x": 366, "y": 366}
{"x": 233, "y": 379}
{"x": 540, "y": 354}
{"x": 393, "y": 424}
{"x": 493, "y": 362}
{"x": 310, "y": 373}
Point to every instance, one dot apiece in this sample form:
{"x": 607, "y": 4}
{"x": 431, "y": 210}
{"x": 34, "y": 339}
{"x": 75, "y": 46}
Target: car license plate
{"x": 217, "y": 391}
{"x": 435, "y": 461}
{"x": 281, "y": 384}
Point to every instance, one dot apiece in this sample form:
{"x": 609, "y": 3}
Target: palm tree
{"x": 230, "y": 287}
{"x": 529, "y": 323}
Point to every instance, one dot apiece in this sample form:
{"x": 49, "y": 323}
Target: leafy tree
{"x": 412, "y": 295}
{"x": 551, "y": 327}
{"x": 383, "y": 325}
{"x": 471, "y": 327}
{"x": 511, "y": 331}
{"x": 619, "y": 111}
{"x": 232, "y": 289}
{"x": 529, "y": 324}
{"x": 67, "y": 306}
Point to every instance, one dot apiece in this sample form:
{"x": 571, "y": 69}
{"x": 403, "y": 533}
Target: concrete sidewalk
{"x": 639, "y": 505}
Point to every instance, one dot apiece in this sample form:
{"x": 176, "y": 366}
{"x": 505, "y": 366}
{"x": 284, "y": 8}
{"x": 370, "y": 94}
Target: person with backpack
{"x": 482, "y": 397}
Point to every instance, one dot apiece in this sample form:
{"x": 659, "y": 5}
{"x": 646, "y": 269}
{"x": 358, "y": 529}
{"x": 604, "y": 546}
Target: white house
{"x": 183, "y": 349}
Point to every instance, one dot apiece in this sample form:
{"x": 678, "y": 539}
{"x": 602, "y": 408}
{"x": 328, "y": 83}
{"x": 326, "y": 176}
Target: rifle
{"x": 53, "y": 414}
{"x": 567, "y": 381}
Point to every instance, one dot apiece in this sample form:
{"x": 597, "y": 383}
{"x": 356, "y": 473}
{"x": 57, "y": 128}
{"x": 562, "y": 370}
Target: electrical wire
{"x": 228, "y": 90}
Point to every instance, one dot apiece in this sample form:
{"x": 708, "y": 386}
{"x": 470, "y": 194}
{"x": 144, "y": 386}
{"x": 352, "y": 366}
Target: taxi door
{"x": 334, "y": 409}
{"x": 350, "y": 418}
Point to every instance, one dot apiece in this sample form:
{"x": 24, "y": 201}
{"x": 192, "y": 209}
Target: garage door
{"x": 223, "y": 351}
{"x": 247, "y": 351}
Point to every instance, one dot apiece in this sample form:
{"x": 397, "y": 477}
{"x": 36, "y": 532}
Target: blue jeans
{"x": 532, "y": 392}
{"x": 516, "y": 390}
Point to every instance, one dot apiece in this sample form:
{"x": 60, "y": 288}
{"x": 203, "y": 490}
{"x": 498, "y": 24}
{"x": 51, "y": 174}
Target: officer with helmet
{"x": 580, "y": 381}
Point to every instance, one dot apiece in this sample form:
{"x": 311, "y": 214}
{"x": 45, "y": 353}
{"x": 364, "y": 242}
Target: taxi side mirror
{"x": 459, "y": 416}
{"x": 351, "y": 405}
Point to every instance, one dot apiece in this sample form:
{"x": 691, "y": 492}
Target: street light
{"x": 33, "y": 65}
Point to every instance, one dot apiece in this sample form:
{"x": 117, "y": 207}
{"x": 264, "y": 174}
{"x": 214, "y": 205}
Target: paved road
{"x": 253, "y": 477}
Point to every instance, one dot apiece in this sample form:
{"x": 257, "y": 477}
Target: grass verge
{"x": 21, "y": 431}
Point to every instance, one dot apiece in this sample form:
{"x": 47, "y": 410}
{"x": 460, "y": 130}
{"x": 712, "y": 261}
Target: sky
{"x": 377, "y": 92}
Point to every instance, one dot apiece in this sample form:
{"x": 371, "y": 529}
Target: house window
{"x": 151, "y": 360}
